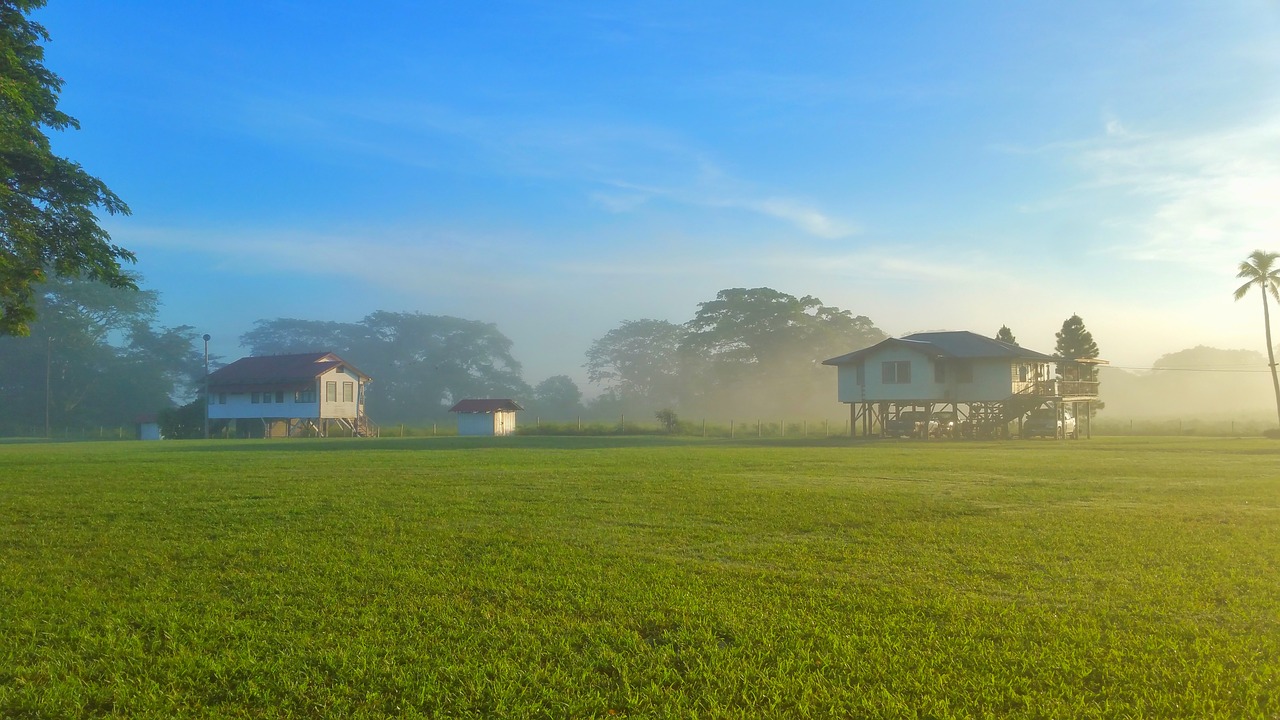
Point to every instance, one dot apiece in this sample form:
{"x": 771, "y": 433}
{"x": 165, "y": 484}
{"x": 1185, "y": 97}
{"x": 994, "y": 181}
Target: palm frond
{"x": 1243, "y": 290}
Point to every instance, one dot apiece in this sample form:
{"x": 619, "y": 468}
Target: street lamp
{"x": 206, "y": 386}
{"x": 48, "y": 382}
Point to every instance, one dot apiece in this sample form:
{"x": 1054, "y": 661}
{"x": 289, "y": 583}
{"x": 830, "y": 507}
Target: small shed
{"x": 148, "y": 427}
{"x": 486, "y": 417}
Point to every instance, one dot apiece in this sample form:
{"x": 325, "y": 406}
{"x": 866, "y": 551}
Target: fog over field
{"x": 557, "y": 169}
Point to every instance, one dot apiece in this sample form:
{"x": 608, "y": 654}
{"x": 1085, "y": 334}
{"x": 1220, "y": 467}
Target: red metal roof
{"x": 295, "y": 371}
{"x": 474, "y": 405}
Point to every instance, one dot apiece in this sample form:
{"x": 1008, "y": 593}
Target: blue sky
{"x": 556, "y": 168}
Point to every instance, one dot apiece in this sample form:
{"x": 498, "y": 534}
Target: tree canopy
{"x": 1075, "y": 342}
{"x": 556, "y": 398}
{"x": 1006, "y": 335}
{"x": 421, "y": 364}
{"x": 100, "y": 357}
{"x": 47, "y": 220}
{"x": 638, "y": 360}
{"x": 754, "y": 350}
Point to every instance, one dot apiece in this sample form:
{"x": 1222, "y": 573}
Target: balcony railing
{"x": 1059, "y": 388}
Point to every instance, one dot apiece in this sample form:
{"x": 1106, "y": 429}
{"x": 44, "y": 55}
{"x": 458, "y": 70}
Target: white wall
{"x": 504, "y": 423}
{"x": 474, "y": 424}
{"x": 240, "y": 405}
{"x": 486, "y": 424}
{"x": 339, "y": 409}
{"x": 993, "y": 379}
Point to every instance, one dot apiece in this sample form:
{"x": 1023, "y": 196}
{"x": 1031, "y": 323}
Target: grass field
{"x": 640, "y": 577}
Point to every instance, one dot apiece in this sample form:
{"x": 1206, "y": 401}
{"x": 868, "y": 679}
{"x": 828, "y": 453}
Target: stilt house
{"x": 290, "y": 395}
{"x": 982, "y": 385}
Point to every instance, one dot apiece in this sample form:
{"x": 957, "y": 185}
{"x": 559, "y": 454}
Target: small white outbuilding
{"x": 486, "y": 417}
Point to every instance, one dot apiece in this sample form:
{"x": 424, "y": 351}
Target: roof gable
{"x": 265, "y": 370}
{"x": 477, "y": 405}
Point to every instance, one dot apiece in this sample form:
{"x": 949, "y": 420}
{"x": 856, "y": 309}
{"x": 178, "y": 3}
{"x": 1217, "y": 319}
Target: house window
{"x": 222, "y": 398}
{"x": 1023, "y": 373}
{"x": 279, "y": 396}
{"x": 304, "y": 396}
{"x": 939, "y": 371}
{"x": 348, "y": 392}
{"x": 256, "y": 398}
{"x": 331, "y": 391}
{"x": 862, "y": 375}
{"x": 266, "y": 397}
{"x": 895, "y": 372}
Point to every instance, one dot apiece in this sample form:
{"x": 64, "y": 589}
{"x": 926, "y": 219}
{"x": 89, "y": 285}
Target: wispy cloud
{"x": 620, "y": 166}
{"x": 1202, "y": 198}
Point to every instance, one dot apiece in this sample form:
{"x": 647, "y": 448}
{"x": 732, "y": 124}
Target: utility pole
{"x": 206, "y": 386}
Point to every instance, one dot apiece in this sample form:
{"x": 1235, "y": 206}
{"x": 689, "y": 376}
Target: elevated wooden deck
{"x": 1058, "y": 389}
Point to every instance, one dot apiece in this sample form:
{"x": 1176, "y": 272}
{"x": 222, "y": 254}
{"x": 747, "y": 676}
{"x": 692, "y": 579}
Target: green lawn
{"x": 640, "y": 577}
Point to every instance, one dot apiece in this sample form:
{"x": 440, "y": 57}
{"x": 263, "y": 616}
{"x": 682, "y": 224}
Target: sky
{"x": 557, "y": 168}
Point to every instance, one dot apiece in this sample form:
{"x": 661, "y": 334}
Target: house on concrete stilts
{"x": 984, "y": 385}
{"x": 309, "y": 394}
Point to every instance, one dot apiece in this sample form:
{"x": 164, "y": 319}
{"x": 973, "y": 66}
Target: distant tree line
{"x": 94, "y": 357}
{"x": 97, "y": 357}
{"x": 750, "y": 352}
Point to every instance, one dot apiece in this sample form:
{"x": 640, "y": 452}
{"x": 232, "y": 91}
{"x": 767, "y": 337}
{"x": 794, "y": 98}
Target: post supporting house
{"x": 983, "y": 385}
{"x": 307, "y": 394}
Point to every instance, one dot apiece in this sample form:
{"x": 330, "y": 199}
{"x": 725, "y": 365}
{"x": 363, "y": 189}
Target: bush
{"x": 183, "y": 423}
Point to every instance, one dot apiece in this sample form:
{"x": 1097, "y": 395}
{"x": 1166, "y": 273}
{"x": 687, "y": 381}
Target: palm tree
{"x": 1261, "y": 270}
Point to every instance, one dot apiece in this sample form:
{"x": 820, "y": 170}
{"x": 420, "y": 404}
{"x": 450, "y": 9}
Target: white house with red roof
{"x": 486, "y": 417}
{"x": 290, "y": 395}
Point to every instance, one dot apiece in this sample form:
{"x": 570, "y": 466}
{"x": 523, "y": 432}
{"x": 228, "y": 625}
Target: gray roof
{"x": 952, "y": 344}
{"x": 485, "y": 405}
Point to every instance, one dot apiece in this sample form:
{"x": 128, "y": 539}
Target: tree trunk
{"x": 1271, "y": 352}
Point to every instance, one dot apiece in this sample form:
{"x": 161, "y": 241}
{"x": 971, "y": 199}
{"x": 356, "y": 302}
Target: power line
{"x": 1190, "y": 369}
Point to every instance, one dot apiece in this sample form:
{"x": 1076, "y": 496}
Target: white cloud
{"x": 1202, "y": 199}
{"x": 803, "y": 216}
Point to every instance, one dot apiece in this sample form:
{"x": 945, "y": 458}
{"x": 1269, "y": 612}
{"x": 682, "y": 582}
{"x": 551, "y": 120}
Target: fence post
{"x": 579, "y": 423}
{"x": 759, "y": 432}
{"x": 433, "y": 429}
{"x": 704, "y": 427}
{"x": 730, "y": 429}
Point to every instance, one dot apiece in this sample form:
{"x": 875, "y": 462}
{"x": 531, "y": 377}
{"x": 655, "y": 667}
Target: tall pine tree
{"x": 1076, "y": 342}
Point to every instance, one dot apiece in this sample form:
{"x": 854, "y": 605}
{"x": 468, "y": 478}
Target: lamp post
{"x": 48, "y": 382}
{"x": 206, "y": 386}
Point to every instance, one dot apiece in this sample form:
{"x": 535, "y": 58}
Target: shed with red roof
{"x": 486, "y": 417}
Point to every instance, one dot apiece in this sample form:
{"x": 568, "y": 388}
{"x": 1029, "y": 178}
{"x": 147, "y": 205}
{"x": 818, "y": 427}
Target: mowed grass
{"x": 589, "y": 577}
